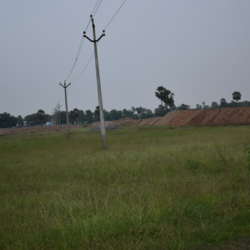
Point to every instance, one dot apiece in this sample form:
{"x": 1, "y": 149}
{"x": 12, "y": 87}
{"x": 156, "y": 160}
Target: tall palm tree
{"x": 236, "y": 96}
{"x": 165, "y": 96}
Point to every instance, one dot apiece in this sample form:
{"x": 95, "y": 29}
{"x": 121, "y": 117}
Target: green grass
{"x": 155, "y": 188}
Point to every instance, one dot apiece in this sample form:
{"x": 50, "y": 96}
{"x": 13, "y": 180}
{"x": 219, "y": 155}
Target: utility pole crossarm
{"x": 94, "y": 41}
{"x": 65, "y": 86}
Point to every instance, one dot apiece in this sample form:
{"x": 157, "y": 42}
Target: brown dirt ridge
{"x": 207, "y": 117}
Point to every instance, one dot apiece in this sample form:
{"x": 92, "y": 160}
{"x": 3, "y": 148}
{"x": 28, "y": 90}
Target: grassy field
{"x": 155, "y": 188}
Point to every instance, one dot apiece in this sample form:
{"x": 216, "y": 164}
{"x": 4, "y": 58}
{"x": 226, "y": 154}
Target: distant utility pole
{"x": 66, "y": 104}
{"x": 52, "y": 118}
{"x": 55, "y": 114}
{"x": 103, "y": 131}
{"x": 58, "y": 106}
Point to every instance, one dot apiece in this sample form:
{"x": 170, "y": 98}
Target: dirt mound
{"x": 168, "y": 118}
{"x": 184, "y": 117}
{"x": 223, "y": 116}
{"x": 207, "y": 117}
{"x": 149, "y": 121}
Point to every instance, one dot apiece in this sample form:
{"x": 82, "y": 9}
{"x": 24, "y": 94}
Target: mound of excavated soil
{"x": 207, "y": 117}
{"x": 184, "y": 117}
{"x": 166, "y": 120}
{"x": 223, "y": 116}
{"x": 149, "y": 121}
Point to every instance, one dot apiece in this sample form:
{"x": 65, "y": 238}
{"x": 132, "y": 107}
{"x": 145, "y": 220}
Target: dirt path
{"x": 9, "y": 131}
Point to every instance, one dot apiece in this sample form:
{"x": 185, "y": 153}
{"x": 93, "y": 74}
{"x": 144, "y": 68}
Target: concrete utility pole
{"x": 103, "y": 131}
{"x": 55, "y": 114}
{"x": 58, "y": 106}
{"x": 66, "y": 104}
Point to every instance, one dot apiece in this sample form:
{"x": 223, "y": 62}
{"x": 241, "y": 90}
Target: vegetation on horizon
{"x": 77, "y": 116}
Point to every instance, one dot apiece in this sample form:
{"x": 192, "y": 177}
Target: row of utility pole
{"x": 56, "y": 117}
{"x": 103, "y": 130}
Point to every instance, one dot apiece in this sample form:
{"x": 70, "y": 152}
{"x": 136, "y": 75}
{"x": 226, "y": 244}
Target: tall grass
{"x": 155, "y": 188}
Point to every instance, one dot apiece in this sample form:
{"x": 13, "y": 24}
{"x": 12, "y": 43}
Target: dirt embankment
{"x": 208, "y": 117}
{"x": 224, "y": 116}
{"x": 34, "y": 129}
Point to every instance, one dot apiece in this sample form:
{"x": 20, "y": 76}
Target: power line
{"x": 82, "y": 40}
{"x": 59, "y": 93}
{"x": 115, "y": 15}
{"x": 78, "y": 53}
{"x": 104, "y": 29}
{"x": 84, "y": 68}
{"x": 97, "y": 8}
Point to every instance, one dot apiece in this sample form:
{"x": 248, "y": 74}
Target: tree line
{"x": 77, "y": 116}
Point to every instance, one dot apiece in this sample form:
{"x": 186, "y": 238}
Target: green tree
{"x": 73, "y": 115}
{"x": 81, "y": 117}
{"x": 236, "y": 96}
{"x": 33, "y": 118}
{"x": 165, "y": 96}
{"x": 160, "y": 111}
{"x": 41, "y": 116}
{"x": 223, "y": 102}
{"x": 7, "y": 120}
{"x": 139, "y": 111}
{"x": 97, "y": 113}
{"x": 107, "y": 116}
{"x": 63, "y": 118}
{"x": 124, "y": 112}
{"x": 89, "y": 116}
{"x": 116, "y": 114}
{"x": 198, "y": 106}
{"x": 20, "y": 121}
{"x": 205, "y": 106}
{"x": 214, "y": 105}
{"x": 184, "y": 107}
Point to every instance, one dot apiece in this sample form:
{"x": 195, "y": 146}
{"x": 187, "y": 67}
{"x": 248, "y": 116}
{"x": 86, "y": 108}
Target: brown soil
{"x": 166, "y": 120}
{"x": 224, "y": 116}
{"x": 208, "y": 117}
{"x": 184, "y": 117}
{"x": 150, "y": 121}
{"x": 34, "y": 129}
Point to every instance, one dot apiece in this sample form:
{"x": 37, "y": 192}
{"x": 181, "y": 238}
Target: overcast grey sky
{"x": 199, "y": 49}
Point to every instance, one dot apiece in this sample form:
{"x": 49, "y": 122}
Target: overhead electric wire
{"x": 59, "y": 93}
{"x": 97, "y": 8}
{"x": 104, "y": 29}
{"x": 83, "y": 38}
{"x": 84, "y": 68}
{"x": 115, "y": 15}
{"x": 78, "y": 53}
{"x": 94, "y": 7}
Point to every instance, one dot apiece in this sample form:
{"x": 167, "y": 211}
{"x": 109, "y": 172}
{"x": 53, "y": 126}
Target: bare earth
{"x": 208, "y": 117}
{"x": 34, "y": 129}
